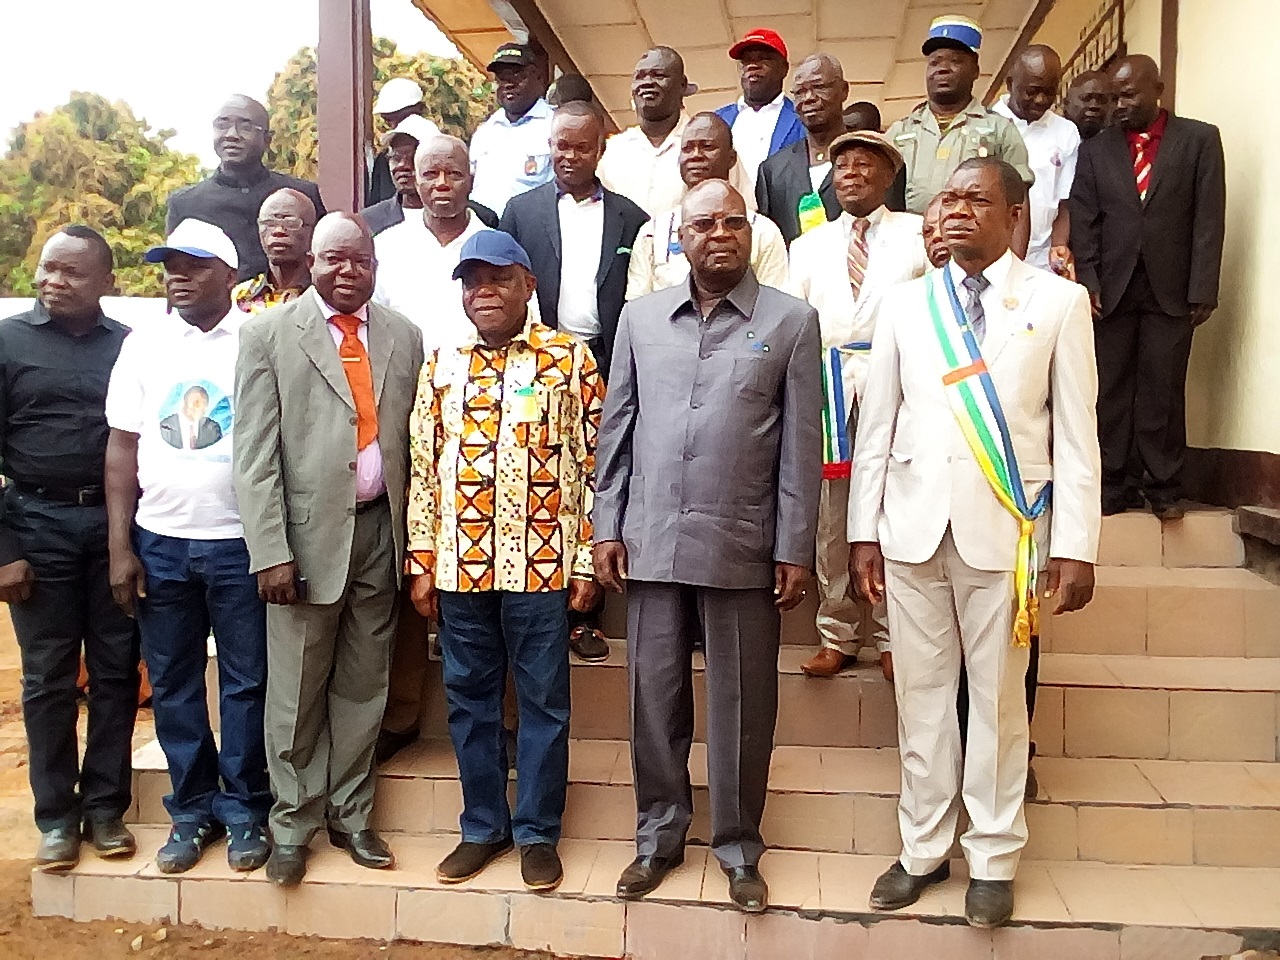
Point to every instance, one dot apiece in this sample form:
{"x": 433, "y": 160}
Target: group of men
{"x": 702, "y": 359}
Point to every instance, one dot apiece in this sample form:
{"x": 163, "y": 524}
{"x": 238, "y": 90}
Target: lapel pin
{"x": 1011, "y": 303}
{"x": 750, "y": 335}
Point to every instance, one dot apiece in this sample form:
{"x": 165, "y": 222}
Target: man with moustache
{"x": 179, "y": 563}
{"x": 841, "y": 269}
{"x": 285, "y": 224}
{"x": 1148, "y": 214}
{"x": 949, "y": 513}
{"x": 658, "y": 260}
{"x": 499, "y": 544}
{"x": 764, "y": 119}
{"x": 55, "y": 363}
{"x": 231, "y": 198}
{"x": 1089, "y": 102}
{"x": 509, "y": 152}
{"x": 324, "y": 386}
{"x": 795, "y": 188}
{"x": 706, "y": 506}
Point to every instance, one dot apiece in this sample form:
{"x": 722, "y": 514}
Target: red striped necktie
{"x": 858, "y": 255}
{"x": 1142, "y": 165}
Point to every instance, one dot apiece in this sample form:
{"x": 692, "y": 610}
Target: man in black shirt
{"x": 55, "y": 361}
{"x": 231, "y": 198}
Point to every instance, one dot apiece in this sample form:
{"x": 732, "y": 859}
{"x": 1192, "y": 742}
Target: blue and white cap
{"x": 957, "y": 32}
{"x": 199, "y": 239}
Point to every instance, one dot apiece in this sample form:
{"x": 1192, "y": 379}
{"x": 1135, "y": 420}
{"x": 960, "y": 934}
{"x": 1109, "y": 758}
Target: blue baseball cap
{"x": 957, "y": 32}
{"x": 493, "y": 247}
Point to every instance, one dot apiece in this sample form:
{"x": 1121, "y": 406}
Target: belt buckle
{"x": 82, "y": 496}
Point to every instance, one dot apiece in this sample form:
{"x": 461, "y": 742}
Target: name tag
{"x": 524, "y": 405}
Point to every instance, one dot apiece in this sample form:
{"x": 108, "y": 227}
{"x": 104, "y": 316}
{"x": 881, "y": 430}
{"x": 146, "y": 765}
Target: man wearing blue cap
{"x": 502, "y": 448}
{"x": 952, "y": 126}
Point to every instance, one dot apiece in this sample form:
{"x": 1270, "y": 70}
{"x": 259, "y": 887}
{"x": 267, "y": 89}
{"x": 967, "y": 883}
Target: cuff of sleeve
{"x": 583, "y": 568}
{"x": 418, "y": 562}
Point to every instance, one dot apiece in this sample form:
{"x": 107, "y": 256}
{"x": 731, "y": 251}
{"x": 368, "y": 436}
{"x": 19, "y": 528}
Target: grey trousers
{"x": 327, "y": 672}
{"x": 740, "y": 631}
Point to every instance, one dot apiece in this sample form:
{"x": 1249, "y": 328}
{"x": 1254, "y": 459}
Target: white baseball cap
{"x": 420, "y": 128}
{"x": 396, "y": 94}
{"x": 199, "y": 239}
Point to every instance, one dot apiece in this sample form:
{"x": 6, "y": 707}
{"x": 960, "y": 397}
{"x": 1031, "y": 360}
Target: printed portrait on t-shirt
{"x": 195, "y": 415}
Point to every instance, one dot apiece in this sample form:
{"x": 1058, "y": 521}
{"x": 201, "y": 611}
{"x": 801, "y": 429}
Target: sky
{"x": 173, "y": 63}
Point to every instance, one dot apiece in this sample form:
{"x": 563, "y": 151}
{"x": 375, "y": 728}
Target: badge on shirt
{"x": 944, "y": 153}
{"x": 524, "y": 405}
{"x": 530, "y": 166}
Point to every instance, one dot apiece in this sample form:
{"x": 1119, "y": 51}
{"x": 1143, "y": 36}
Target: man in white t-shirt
{"x": 1053, "y": 143}
{"x": 511, "y": 151}
{"x": 178, "y": 556}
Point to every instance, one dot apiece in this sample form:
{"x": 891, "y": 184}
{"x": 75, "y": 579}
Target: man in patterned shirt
{"x": 286, "y": 221}
{"x": 503, "y": 443}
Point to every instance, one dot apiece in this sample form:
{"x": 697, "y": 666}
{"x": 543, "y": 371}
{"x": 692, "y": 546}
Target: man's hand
{"x": 128, "y": 580}
{"x": 866, "y": 571}
{"x": 1201, "y": 312}
{"x": 584, "y": 595}
{"x": 1062, "y": 262}
{"x": 423, "y": 596}
{"x": 610, "y": 560}
{"x": 278, "y": 584}
{"x": 15, "y": 582}
{"x": 1071, "y": 581}
{"x": 788, "y": 585}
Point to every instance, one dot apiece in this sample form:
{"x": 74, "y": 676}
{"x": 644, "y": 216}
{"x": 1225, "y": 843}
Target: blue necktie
{"x": 977, "y": 318}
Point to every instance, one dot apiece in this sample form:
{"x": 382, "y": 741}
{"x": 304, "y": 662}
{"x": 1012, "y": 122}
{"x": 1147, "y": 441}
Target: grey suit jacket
{"x": 709, "y": 465}
{"x": 295, "y": 438}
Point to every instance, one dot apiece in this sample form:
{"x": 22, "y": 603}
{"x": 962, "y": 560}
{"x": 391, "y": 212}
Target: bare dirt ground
{"x": 24, "y": 937}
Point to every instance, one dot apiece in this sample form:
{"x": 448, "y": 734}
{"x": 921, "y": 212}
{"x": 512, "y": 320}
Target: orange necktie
{"x": 355, "y": 363}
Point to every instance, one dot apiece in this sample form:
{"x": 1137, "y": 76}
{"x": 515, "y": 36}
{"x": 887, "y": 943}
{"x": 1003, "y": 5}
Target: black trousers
{"x": 71, "y": 604}
{"x": 1142, "y": 375}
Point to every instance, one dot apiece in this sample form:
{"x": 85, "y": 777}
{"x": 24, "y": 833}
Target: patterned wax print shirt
{"x": 503, "y": 448}
{"x": 257, "y": 294}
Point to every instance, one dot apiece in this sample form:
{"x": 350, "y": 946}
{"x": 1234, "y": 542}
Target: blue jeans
{"x": 191, "y": 586}
{"x": 480, "y": 634}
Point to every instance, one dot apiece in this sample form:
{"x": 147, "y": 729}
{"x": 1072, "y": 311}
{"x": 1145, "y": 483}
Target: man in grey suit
{"x": 708, "y": 479}
{"x": 324, "y": 386}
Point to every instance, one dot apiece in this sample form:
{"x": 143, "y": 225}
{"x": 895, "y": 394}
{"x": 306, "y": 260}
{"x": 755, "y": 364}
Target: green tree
{"x": 89, "y": 161}
{"x": 458, "y": 98}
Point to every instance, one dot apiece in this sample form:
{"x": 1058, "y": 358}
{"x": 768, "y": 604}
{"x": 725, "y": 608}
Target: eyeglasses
{"x": 239, "y": 124}
{"x": 704, "y": 225}
{"x": 289, "y": 223}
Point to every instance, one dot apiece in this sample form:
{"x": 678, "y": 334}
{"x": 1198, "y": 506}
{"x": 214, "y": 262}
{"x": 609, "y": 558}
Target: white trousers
{"x": 845, "y": 623}
{"x": 941, "y": 611}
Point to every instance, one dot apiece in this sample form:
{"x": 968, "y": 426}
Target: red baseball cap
{"x": 759, "y": 37}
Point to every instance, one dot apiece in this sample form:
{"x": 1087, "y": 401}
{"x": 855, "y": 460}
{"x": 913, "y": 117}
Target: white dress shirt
{"x": 1053, "y": 144}
{"x": 581, "y": 236}
{"x": 511, "y": 157}
{"x": 753, "y": 132}
{"x": 370, "y": 483}
{"x": 415, "y": 278}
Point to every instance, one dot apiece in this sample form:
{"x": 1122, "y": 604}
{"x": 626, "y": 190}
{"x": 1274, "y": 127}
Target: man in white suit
{"x": 841, "y": 269}
{"x": 990, "y": 352}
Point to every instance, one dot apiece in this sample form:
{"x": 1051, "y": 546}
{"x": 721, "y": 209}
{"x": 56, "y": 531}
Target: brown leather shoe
{"x": 826, "y": 663}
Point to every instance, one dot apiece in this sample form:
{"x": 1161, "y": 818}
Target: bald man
{"x": 232, "y": 197}
{"x": 324, "y": 386}
{"x": 1052, "y": 143}
{"x": 1148, "y": 210}
{"x": 285, "y": 224}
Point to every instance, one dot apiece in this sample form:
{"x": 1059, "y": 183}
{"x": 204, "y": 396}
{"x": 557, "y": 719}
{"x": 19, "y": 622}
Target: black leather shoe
{"x": 1169, "y": 510}
{"x": 287, "y": 864}
{"x": 110, "y": 838}
{"x": 540, "y": 866}
{"x": 897, "y": 889}
{"x": 366, "y": 848}
{"x": 644, "y": 874}
{"x": 747, "y": 888}
{"x": 59, "y": 850}
{"x": 390, "y": 743}
{"x": 988, "y": 903}
{"x": 468, "y": 859}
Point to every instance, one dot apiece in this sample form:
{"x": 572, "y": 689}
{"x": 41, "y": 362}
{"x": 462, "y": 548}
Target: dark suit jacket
{"x": 533, "y": 220}
{"x": 782, "y": 181}
{"x": 207, "y": 433}
{"x": 1177, "y": 231}
{"x": 389, "y": 212}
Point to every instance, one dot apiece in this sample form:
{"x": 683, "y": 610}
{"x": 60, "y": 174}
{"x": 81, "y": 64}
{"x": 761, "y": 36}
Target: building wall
{"x": 1225, "y": 50}
{"x": 1142, "y": 27}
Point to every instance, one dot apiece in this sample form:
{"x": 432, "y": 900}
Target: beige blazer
{"x": 913, "y": 473}
{"x": 295, "y": 438}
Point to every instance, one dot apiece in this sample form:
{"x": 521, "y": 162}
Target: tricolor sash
{"x": 837, "y": 460}
{"x": 971, "y": 394}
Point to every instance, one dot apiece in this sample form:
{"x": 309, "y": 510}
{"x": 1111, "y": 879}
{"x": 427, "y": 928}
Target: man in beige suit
{"x": 324, "y": 386}
{"x": 841, "y": 269}
{"x": 990, "y": 352}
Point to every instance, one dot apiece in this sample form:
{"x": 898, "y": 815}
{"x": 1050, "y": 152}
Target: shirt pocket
{"x": 751, "y": 377}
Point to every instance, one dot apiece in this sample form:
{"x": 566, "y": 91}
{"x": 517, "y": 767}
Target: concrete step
{"x": 819, "y": 906}
{"x": 844, "y": 800}
{"x": 1205, "y": 537}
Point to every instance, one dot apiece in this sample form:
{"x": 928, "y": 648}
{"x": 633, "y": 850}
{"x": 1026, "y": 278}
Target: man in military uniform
{"x": 951, "y": 126}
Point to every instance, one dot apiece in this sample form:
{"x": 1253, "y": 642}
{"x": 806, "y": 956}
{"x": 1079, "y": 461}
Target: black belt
{"x": 91, "y": 496}
{"x": 364, "y": 505}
